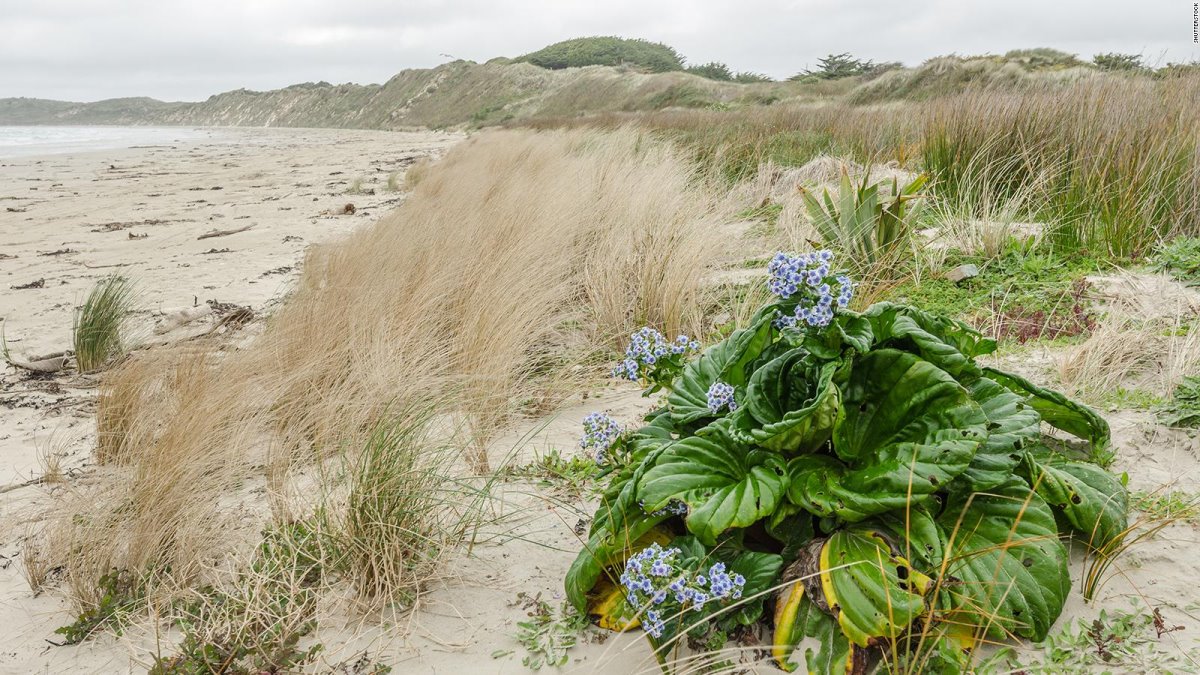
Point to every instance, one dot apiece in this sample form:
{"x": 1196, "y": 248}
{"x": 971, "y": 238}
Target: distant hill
{"x": 453, "y": 94}
{"x": 111, "y": 111}
{"x": 625, "y": 76}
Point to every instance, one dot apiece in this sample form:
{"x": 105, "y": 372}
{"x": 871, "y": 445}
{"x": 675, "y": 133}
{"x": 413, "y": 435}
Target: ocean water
{"x": 35, "y": 141}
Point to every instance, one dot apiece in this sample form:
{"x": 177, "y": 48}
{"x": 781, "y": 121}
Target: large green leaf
{"x": 791, "y": 404}
{"x": 725, "y": 484}
{"x": 907, "y": 430}
{"x": 1090, "y": 498}
{"x": 761, "y": 572}
{"x": 1058, "y": 411}
{"x": 872, "y": 590}
{"x": 896, "y": 403}
{"x": 1012, "y": 424}
{"x": 607, "y": 549}
{"x": 847, "y": 331}
{"x": 725, "y": 361}
{"x": 949, "y": 344}
{"x": 1005, "y": 570}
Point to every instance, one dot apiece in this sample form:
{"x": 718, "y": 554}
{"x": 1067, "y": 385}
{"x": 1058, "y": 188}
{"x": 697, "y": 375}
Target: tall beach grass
{"x": 512, "y": 267}
{"x": 1110, "y": 162}
{"x": 97, "y": 333}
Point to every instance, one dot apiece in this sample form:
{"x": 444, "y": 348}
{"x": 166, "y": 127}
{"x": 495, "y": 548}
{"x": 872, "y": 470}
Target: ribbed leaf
{"x": 1006, "y": 570}
{"x": 864, "y": 582}
{"x": 949, "y": 344}
{"x": 907, "y": 430}
{"x": 1011, "y": 425}
{"x": 724, "y": 484}
{"x": 725, "y": 361}
{"x": 798, "y": 620}
{"x": 1090, "y": 498}
{"x": 1058, "y": 411}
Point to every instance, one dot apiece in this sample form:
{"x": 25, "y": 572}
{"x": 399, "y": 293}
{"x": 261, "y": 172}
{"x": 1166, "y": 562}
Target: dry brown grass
{"x": 514, "y": 258}
{"x": 1132, "y": 351}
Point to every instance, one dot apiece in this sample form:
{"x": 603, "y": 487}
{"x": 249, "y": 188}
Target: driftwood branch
{"x": 223, "y": 233}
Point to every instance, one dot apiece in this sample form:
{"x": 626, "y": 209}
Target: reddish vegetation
{"x": 1072, "y": 317}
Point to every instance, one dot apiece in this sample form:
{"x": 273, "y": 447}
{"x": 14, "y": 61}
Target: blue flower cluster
{"x": 808, "y": 275}
{"x": 599, "y": 433}
{"x": 654, "y": 577}
{"x": 646, "y": 348}
{"x": 720, "y": 395}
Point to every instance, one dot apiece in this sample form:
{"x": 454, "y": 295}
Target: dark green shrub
{"x": 1112, "y": 61}
{"x": 606, "y": 51}
{"x": 714, "y": 70}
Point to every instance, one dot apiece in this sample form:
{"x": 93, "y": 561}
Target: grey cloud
{"x": 175, "y": 50}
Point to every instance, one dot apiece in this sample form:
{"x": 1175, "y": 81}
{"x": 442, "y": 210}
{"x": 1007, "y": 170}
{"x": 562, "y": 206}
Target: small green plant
{"x": 255, "y": 624}
{"x": 548, "y": 633}
{"x": 861, "y": 223}
{"x": 1167, "y": 504}
{"x": 1179, "y": 257}
{"x": 571, "y": 475}
{"x": 100, "y": 323}
{"x": 393, "y": 181}
{"x": 356, "y": 187}
{"x": 1116, "y": 641}
{"x": 121, "y": 593}
{"x": 1183, "y": 410}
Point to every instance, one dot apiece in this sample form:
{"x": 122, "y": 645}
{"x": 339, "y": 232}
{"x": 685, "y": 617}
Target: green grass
{"x": 1018, "y": 296}
{"x": 405, "y": 509}
{"x": 1131, "y": 399}
{"x": 100, "y": 322}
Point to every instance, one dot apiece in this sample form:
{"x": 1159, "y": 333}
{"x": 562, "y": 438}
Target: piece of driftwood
{"x": 17, "y": 486}
{"x": 223, "y": 233}
{"x": 181, "y": 317}
{"x": 51, "y": 363}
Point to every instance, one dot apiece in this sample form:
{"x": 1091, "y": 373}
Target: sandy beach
{"x": 217, "y": 221}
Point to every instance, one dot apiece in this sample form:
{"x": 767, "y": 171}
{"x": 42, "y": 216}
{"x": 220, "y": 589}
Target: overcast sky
{"x": 86, "y": 50}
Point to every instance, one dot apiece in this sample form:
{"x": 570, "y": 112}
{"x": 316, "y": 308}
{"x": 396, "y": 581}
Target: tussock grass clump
{"x": 406, "y": 509}
{"x": 494, "y": 278}
{"x": 122, "y": 407}
{"x": 99, "y": 323}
